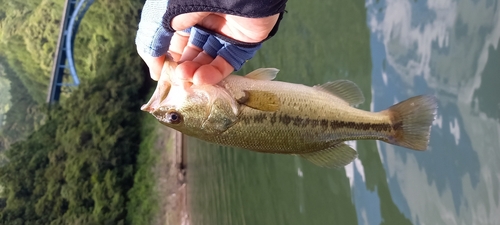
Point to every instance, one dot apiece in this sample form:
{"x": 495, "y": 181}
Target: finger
{"x": 212, "y": 73}
{"x": 184, "y": 72}
{"x": 203, "y": 58}
{"x": 186, "y": 20}
{"x": 251, "y": 30}
{"x": 210, "y": 50}
{"x": 190, "y": 52}
{"x": 197, "y": 40}
{"x": 178, "y": 44}
{"x": 212, "y": 46}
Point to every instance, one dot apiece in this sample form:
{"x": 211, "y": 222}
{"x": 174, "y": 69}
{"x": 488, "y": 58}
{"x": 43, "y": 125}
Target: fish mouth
{"x": 163, "y": 86}
{"x": 160, "y": 94}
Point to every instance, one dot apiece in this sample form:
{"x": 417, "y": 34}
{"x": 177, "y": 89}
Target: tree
{"x": 78, "y": 166}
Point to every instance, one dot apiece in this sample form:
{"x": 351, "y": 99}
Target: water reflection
{"x": 396, "y": 50}
{"x": 445, "y": 53}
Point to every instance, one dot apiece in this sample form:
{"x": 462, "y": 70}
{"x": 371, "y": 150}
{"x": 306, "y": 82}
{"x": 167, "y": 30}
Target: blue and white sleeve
{"x": 152, "y": 38}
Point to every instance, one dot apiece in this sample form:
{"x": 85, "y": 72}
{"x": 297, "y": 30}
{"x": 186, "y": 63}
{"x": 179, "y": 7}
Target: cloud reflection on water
{"x": 440, "y": 47}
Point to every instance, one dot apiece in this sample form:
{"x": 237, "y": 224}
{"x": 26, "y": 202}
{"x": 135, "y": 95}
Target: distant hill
{"x": 28, "y": 33}
{"x": 77, "y": 166}
{"x": 28, "y": 36}
{"x": 19, "y": 112}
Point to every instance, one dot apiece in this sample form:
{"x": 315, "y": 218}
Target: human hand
{"x": 207, "y": 64}
{"x": 200, "y": 62}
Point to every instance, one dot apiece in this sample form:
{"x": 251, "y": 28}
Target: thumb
{"x": 187, "y": 20}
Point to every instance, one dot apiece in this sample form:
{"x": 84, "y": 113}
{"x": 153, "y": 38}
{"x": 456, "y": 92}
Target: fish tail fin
{"x": 411, "y": 122}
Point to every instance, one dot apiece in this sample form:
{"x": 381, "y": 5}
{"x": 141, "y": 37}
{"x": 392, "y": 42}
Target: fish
{"x": 255, "y": 112}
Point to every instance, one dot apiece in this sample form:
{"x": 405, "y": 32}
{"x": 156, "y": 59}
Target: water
{"x": 392, "y": 49}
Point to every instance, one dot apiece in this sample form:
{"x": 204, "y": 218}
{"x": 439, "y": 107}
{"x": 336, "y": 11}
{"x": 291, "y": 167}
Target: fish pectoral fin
{"x": 263, "y": 74}
{"x": 344, "y": 89}
{"x": 335, "y": 157}
{"x": 261, "y": 100}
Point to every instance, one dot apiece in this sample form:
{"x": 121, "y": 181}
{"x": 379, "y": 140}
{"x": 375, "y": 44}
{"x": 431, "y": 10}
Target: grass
{"x": 143, "y": 198}
{"x": 155, "y": 196}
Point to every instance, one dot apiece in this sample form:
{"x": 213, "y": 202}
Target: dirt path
{"x": 170, "y": 173}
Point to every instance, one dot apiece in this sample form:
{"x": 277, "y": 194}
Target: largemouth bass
{"x": 258, "y": 114}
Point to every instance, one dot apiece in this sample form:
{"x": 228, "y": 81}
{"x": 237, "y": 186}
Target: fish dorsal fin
{"x": 263, "y": 74}
{"x": 335, "y": 157}
{"x": 344, "y": 89}
{"x": 261, "y": 100}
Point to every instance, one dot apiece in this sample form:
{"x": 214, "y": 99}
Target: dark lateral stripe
{"x": 323, "y": 123}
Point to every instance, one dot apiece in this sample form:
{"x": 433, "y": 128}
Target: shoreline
{"x": 170, "y": 174}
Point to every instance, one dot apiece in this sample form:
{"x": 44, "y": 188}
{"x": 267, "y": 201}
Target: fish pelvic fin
{"x": 344, "y": 89}
{"x": 411, "y": 122}
{"x": 335, "y": 157}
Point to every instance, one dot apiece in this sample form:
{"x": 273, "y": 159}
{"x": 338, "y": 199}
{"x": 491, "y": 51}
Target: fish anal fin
{"x": 344, "y": 89}
{"x": 261, "y": 100}
{"x": 335, "y": 157}
{"x": 263, "y": 74}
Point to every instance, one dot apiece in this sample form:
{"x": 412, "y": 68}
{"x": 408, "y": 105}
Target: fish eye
{"x": 173, "y": 117}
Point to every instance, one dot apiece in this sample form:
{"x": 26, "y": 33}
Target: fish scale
{"x": 316, "y": 126}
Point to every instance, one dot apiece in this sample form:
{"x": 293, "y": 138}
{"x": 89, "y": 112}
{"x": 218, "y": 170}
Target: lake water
{"x": 393, "y": 49}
